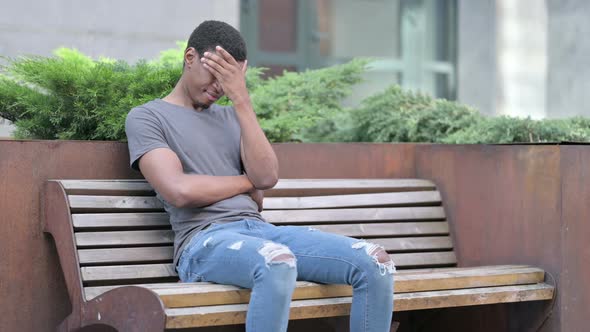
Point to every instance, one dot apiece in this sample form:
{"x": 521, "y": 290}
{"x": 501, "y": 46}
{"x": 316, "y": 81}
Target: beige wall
{"x": 5, "y": 128}
{"x": 525, "y": 57}
{"x": 522, "y": 58}
{"x": 129, "y": 30}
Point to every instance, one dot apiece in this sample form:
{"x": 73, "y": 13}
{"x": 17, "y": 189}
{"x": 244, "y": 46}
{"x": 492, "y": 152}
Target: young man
{"x": 209, "y": 165}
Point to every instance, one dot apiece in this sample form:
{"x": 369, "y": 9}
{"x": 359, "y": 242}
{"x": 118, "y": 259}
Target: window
{"x": 411, "y": 42}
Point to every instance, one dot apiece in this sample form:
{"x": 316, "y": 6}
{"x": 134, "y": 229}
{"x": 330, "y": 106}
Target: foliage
{"x": 71, "y": 96}
{"x": 398, "y": 116}
{"x": 511, "y": 130}
{"x": 288, "y": 104}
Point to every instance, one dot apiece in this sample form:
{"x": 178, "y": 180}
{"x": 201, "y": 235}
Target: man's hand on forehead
{"x": 220, "y": 55}
{"x": 228, "y": 72}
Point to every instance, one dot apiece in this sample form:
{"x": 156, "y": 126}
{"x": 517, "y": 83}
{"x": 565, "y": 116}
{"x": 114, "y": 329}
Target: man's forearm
{"x": 201, "y": 190}
{"x": 259, "y": 158}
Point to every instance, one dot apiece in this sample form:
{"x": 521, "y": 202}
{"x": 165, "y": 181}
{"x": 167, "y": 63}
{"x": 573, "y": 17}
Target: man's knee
{"x": 275, "y": 253}
{"x": 378, "y": 255}
{"x": 382, "y": 256}
{"x": 280, "y": 274}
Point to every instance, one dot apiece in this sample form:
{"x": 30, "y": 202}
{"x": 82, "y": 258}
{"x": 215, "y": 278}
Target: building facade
{"x": 503, "y": 57}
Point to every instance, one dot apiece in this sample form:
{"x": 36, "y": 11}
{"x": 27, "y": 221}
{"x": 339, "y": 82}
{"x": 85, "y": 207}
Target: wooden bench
{"x": 115, "y": 247}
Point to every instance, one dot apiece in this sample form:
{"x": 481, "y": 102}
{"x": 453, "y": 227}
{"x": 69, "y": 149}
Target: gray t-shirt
{"x": 207, "y": 143}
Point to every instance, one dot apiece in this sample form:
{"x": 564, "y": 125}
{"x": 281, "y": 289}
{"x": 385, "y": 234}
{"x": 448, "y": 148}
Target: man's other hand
{"x": 258, "y": 196}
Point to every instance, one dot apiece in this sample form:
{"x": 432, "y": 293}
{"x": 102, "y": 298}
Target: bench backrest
{"x": 122, "y": 235}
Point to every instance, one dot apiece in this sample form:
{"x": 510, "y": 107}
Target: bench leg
{"x": 133, "y": 309}
{"x": 69, "y": 324}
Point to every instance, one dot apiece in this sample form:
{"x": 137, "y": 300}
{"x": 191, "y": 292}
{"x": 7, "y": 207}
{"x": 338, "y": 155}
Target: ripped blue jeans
{"x": 269, "y": 259}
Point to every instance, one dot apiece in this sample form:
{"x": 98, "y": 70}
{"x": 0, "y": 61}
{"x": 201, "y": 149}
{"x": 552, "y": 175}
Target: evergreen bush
{"x": 71, "y": 96}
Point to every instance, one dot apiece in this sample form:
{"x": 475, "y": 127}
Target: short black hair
{"x": 213, "y": 33}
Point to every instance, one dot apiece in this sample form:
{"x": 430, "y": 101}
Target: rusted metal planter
{"x": 505, "y": 203}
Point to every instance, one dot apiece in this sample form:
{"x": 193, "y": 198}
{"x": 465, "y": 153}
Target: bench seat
{"x": 114, "y": 240}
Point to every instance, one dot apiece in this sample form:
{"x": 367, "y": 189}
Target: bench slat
{"x": 120, "y": 220}
{"x": 322, "y": 187}
{"x": 403, "y": 184}
{"x": 424, "y": 259}
{"x": 387, "y": 229}
{"x": 125, "y": 255}
{"x": 107, "y": 187}
{"x": 303, "y": 309}
{"x": 353, "y": 215}
{"x": 125, "y": 272}
{"x": 79, "y": 203}
{"x": 161, "y": 237}
{"x": 278, "y": 217}
{"x": 158, "y": 254}
{"x": 414, "y": 243}
{"x": 128, "y": 221}
{"x": 454, "y": 269}
{"x": 284, "y": 186}
{"x": 351, "y": 201}
{"x": 175, "y": 295}
{"x": 104, "y": 239}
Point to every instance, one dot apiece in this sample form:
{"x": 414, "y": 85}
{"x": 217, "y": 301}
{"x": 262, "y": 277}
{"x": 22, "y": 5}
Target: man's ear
{"x": 189, "y": 56}
{"x": 245, "y": 66}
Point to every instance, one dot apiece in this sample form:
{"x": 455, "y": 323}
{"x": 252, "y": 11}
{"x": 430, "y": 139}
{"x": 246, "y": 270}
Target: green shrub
{"x": 517, "y": 130}
{"x": 288, "y": 104}
{"x": 70, "y": 96}
{"x": 401, "y": 116}
{"x": 398, "y": 116}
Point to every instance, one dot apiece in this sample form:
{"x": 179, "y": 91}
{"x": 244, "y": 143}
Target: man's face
{"x": 203, "y": 87}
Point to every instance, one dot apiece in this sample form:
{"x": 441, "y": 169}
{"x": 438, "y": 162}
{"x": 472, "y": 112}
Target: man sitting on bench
{"x": 209, "y": 165}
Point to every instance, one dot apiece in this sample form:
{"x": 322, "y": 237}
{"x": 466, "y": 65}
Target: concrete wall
{"x": 5, "y": 128}
{"x": 525, "y": 58}
{"x": 129, "y": 30}
{"x": 476, "y": 54}
{"x": 568, "y": 80}
{"x": 521, "y": 53}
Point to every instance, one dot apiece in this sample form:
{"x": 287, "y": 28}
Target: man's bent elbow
{"x": 179, "y": 197}
{"x": 266, "y": 182}
{"x": 177, "y": 200}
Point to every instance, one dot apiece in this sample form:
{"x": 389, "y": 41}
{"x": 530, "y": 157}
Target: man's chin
{"x": 202, "y": 105}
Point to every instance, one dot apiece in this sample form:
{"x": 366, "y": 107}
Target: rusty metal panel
{"x": 504, "y": 207}
{"x": 33, "y": 294}
{"x": 504, "y": 204}
{"x": 340, "y": 160}
{"x": 575, "y": 274}
{"x": 503, "y": 201}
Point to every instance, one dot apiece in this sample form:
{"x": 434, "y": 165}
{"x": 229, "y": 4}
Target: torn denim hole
{"x": 207, "y": 241}
{"x": 271, "y": 250}
{"x": 372, "y": 250}
{"x": 236, "y": 245}
{"x": 311, "y": 229}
